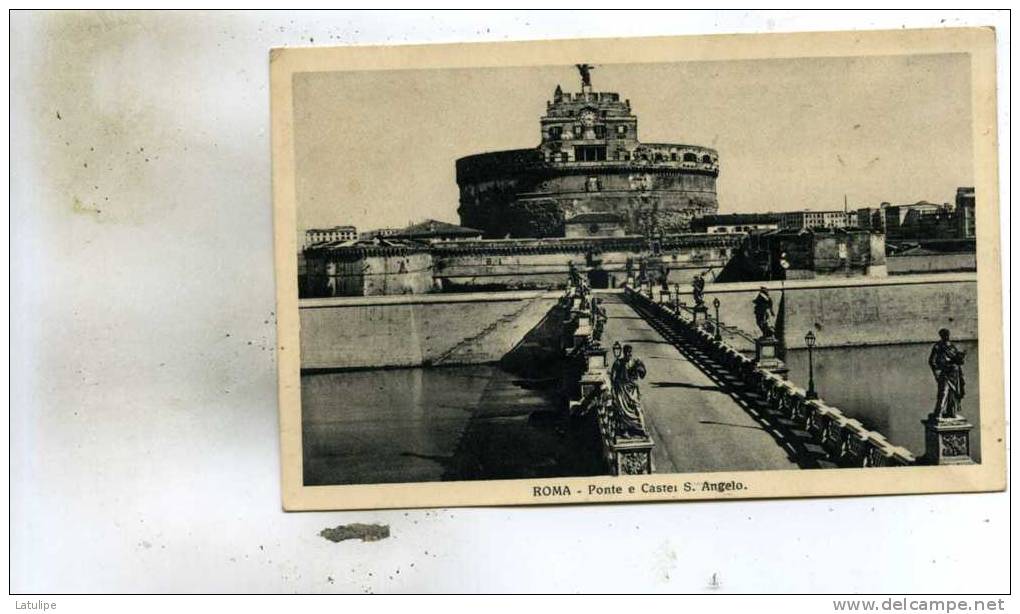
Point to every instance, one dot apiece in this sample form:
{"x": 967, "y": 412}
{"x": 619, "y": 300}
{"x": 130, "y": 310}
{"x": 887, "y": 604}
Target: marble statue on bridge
{"x": 574, "y": 275}
{"x": 624, "y": 375}
{"x": 763, "y": 313}
{"x": 698, "y": 290}
{"x": 664, "y": 277}
{"x": 642, "y": 275}
{"x": 599, "y": 318}
{"x": 946, "y": 362}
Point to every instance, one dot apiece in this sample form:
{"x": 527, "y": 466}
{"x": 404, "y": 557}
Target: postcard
{"x": 679, "y": 268}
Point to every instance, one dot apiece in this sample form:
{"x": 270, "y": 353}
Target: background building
{"x": 735, "y": 223}
{"x": 920, "y": 220}
{"x": 809, "y": 254}
{"x": 817, "y": 219}
{"x": 367, "y": 268}
{"x": 336, "y": 233}
{"x": 871, "y": 218}
{"x": 589, "y": 160}
{"x": 379, "y": 233}
{"x": 965, "y": 213}
{"x": 431, "y": 231}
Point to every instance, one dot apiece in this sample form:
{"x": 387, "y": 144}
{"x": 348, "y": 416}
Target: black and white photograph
{"x": 705, "y": 305}
{"x": 687, "y": 268}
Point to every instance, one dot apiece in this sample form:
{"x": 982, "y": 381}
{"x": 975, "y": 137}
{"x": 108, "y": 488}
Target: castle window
{"x": 672, "y": 156}
{"x": 600, "y": 132}
{"x": 578, "y": 131}
{"x": 555, "y": 132}
{"x": 689, "y": 157}
{"x": 706, "y": 159}
{"x": 658, "y": 157}
{"x": 621, "y": 130}
{"x": 589, "y": 153}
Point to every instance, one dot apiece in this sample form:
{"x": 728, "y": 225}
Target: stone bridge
{"x": 710, "y": 403}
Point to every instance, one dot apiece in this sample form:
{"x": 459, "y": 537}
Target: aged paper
{"x": 638, "y": 269}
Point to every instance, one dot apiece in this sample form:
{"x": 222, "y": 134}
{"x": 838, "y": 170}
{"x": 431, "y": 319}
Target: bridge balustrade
{"x": 589, "y": 389}
{"x": 845, "y": 440}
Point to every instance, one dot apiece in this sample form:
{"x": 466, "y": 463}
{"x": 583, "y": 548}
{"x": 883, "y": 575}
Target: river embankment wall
{"x": 481, "y": 327}
{"x": 857, "y": 311}
{"x": 417, "y": 330}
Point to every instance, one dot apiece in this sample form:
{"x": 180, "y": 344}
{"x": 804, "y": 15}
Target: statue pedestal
{"x": 947, "y": 441}
{"x": 700, "y": 313}
{"x": 766, "y": 356}
{"x": 596, "y": 361}
{"x": 590, "y": 383}
{"x": 567, "y": 335}
{"x": 632, "y": 456}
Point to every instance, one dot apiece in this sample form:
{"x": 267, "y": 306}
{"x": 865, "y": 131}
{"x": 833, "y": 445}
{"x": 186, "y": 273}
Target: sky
{"x": 377, "y": 148}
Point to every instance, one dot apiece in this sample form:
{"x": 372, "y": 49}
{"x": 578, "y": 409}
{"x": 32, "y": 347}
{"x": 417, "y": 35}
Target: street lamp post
{"x": 809, "y": 339}
{"x": 718, "y": 327}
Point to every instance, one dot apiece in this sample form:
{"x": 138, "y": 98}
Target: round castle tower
{"x": 589, "y": 161}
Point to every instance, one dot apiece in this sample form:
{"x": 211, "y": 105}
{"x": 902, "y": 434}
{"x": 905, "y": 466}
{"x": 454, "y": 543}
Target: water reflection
{"x": 888, "y": 388}
{"x": 421, "y": 425}
{"x": 483, "y": 422}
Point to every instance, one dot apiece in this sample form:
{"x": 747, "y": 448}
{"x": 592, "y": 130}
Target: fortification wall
{"x": 515, "y": 194}
{"x": 410, "y": 331}
{"x": 407, "y": 331}
{"x": 931, "y": 263}
{"x": 539, "y": 265}
{"x": 883, "y": 313}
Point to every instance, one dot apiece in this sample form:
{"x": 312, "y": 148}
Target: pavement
{"x": 696, "y": 424}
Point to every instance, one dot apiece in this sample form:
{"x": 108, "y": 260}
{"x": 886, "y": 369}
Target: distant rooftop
{"x": 436, "y": 228}
{"x": 359, "y": 248}
{"x": 334, "y": 229}
{"x": 920, "y": 203}
{"x": 818, "y": 211}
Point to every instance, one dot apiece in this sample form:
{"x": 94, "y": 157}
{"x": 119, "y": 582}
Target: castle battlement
{"x": 560, "y": 96}
{"x": 566, "y": 104}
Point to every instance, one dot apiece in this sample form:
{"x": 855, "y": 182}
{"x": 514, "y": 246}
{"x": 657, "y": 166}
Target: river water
{"x": 483, "y": 422}
{"x": 888, "y": 388}
{"x": 449, "y": 423}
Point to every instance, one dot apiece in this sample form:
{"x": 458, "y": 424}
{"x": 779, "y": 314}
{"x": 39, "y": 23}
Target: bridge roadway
{"x": 696, "y": 423}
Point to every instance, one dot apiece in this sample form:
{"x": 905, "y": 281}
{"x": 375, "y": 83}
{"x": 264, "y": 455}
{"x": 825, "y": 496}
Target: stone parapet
{"x": 590, "y": 396}
{"x": 511, "y": 163}
{"x": 845, "y": 440}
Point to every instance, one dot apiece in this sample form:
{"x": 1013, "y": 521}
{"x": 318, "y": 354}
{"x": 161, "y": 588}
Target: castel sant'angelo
{"x": 589, "y": 161}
